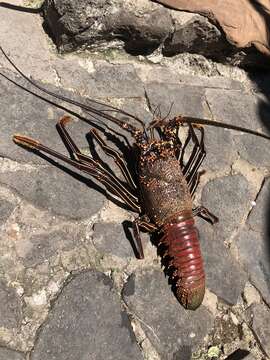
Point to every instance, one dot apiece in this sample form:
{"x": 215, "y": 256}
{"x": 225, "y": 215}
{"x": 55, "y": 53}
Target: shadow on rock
{"x": 262, "y": 81}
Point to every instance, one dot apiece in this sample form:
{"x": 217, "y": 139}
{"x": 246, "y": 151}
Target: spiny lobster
{"x": 160, "y": 192}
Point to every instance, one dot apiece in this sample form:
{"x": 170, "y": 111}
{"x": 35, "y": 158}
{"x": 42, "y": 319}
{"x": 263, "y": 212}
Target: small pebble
{"x": 213, "y": 352}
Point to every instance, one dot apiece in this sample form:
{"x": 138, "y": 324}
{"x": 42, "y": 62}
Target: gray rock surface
{"x": 173, "y": 99}
{"x": 44, "y": 245}
{"x": 140, "y": 28}
{"x": 220, "y": 151}
{"x": 256, "y": 153}
{"x": 47, "y": 189}
{"x": 10, "y": 307}
{"x": 6, "y": 209}
{"x": 258, "y": 218}
{"x": 91, "y": 23}
{"x": 7, "y": 354}
{"x": 229, "y": 199}
{"x": 253, "y": 244}
{"x": 32, "y": 117}
{"x": 260, "y": 324}
{"x": 249, "y": 357}
{"x": 187, "y": 37}
{"x": 110, "y": 238}
{"x": 169, "y": 326}
{"x": 224, "y": 276}
{"x": 87, "y": 320}
{"x": 236, "y": 107}
{"x": 120, "y": 80}
{"x": 53, "y": 226}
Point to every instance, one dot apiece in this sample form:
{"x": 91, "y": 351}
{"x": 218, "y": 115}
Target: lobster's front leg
{"x": 205, "y": 214}
{"x": 118, "y": 159}
{"x": 191, "y": 173}
{"x": 83, "y": 163}
{"x": 143, "y": 223}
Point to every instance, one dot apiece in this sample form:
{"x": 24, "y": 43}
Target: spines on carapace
{"x": 184, "y": 261}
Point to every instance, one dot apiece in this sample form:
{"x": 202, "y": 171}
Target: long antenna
{"x": 21, "y": 8}
{"x": 70, "y": 101}
{"x": 194, "y": 120}
{"x": 182, "y": 119}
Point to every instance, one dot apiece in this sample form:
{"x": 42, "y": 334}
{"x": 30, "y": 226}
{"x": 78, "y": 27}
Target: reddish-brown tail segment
{"x": 185, "y": 260}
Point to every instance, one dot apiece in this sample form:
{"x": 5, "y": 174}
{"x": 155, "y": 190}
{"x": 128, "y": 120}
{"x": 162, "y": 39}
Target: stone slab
{"x": 62, "y": 192}
{"x": 237, "y": 108}
{"x": 140, "y": 28}
{"x": 10, "y": 307}
{"x": 87, "y": 320}
{"x": 254, "y": 245}
{"x": 7, "y": 354}
{"x": 174, "y": 99}
{"x": 110, "y": 238}
{"x": 260, "y": 325}
{"x": 224, "y": 276}
{"x": 173, "y": 330}
{"x": 6, "y": 209}
{"x": 228, "y": 198}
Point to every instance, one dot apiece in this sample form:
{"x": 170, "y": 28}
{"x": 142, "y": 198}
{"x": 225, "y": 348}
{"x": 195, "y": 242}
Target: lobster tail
{"x": 184, "y": 264}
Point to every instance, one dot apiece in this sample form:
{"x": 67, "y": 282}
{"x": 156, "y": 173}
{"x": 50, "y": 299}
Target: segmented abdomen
{"x": 185, "y": 263}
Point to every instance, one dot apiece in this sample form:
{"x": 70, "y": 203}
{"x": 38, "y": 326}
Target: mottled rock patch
{"x": 168, "y": 325}
{"x": 86, "y": 316}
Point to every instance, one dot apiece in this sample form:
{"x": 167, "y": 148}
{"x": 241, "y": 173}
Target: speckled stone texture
{"x": 69, "y": 278}
{"x": 140, "y": 28}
